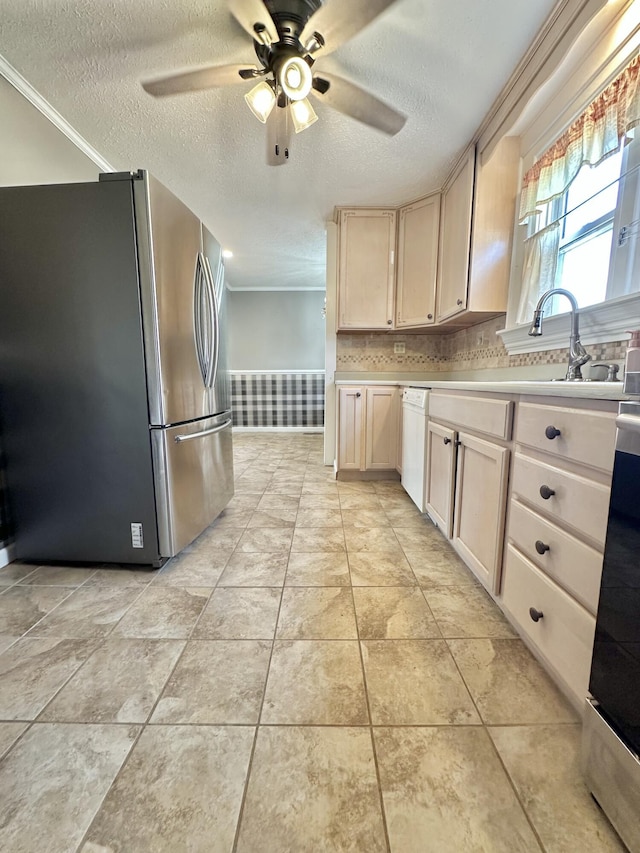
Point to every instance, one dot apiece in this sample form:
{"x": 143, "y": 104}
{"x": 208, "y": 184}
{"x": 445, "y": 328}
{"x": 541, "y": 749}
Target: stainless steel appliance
{"x": 114, "y": 394}
{"x": 611, "y": 745}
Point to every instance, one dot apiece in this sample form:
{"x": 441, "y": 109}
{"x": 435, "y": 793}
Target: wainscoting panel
{"x": 277, "y": 399}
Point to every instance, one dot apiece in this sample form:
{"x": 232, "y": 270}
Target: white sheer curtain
{"x": 539, "y": 269}
{"x": 596, "y": 134}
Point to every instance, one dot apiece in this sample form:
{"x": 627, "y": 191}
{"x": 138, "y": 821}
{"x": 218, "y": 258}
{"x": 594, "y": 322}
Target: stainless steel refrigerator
{"x": 114, "y": 394}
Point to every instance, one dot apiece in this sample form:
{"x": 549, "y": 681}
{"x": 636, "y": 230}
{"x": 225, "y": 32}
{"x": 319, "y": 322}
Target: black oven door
{"x": 615, "y": 668}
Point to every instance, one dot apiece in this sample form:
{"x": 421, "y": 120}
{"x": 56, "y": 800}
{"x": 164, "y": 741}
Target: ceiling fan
{"x": 288, "y": 36}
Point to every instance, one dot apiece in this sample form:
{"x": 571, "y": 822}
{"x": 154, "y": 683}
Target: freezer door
{"x": 171, "y": 271}
{"x": 194, "y": 478}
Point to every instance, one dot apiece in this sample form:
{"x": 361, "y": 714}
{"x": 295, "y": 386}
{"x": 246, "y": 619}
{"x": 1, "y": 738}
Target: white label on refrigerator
{"x": 137, "y": 539}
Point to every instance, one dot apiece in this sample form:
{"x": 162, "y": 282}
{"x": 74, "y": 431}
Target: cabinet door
{"x": 481, "y": 499}
{"x": 366, "y": 269}
{"x": 441, "y": 470}
{"x": 381, "y": 442}
{"x": 455, "y": 240}
{"x": 349, "y": 429}
{"x": 418, "y": 228}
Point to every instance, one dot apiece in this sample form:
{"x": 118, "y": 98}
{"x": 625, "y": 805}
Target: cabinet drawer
{"x": 481, "y": 414}
{"x": 581, "y": 503}
{"x": 585, "y": 436}
{"x": 575, "y": 566}
{"x": 564, "y": 635}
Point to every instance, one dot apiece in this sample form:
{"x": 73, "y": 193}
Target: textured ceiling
{"x": 442, "y": 63}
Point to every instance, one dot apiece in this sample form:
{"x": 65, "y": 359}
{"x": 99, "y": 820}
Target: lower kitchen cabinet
{"x": 466, "y": 481}
{"x": 368, "y": 428}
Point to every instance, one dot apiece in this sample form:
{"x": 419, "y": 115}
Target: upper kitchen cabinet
{"x": 367, "y": 240}
{"x": 478, "y": 209}
{"x": 418, "y": 227}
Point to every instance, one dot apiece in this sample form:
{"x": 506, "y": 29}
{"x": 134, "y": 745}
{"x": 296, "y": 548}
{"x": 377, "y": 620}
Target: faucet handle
{"x": 612, "y": 370}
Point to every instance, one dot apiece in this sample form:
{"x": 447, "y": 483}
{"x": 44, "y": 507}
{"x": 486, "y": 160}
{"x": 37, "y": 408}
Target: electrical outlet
{"x": 480, "y": 339}
{"x": 399, "y": 347}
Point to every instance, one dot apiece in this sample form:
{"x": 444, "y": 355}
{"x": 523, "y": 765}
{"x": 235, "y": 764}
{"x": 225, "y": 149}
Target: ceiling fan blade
{"x": 355, "y": 102}
{"x": 278, "y": 136}
{"x": 208, "y": 77}
{"x": 254, "y": 17}
{"x": 337, "y": 21}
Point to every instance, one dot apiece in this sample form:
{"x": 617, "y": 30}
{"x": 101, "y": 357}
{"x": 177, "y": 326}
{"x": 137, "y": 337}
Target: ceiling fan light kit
{"x": 287, "y": 35}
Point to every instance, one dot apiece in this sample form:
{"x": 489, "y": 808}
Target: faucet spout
{"x": 577, "y": 353}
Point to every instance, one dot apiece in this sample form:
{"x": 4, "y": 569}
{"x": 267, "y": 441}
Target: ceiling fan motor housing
{"x": 290, "y": 17}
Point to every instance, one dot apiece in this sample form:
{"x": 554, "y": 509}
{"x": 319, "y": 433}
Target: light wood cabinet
{"x": 557, "y": 524}
{"x": 417, "y": 263}
{"x": 455, "y": 239}
{"x": 366, "y": 275}
{"x": 367, "y": 428}
{"x": 467, "y": 478}
{"x": 476, "y": 235}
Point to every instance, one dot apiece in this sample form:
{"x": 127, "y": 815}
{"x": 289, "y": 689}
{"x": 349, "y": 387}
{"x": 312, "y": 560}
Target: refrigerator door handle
{"x": 204, "y": 432}
{"x": 214, "y": 345}
{"x": 199, "y": 294}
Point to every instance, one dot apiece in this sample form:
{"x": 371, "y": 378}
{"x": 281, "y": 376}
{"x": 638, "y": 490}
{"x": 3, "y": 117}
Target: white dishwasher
{"x": 414, "y": 443}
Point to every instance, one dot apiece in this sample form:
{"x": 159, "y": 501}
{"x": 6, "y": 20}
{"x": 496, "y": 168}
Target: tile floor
{"x": 317, "y": 672}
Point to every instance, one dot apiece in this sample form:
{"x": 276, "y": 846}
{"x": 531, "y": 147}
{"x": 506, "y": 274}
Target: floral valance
{"x": 596, "y": 134}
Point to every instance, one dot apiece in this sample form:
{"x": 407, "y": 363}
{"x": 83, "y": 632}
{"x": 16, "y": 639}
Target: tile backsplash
{"x": 475, "y": 348}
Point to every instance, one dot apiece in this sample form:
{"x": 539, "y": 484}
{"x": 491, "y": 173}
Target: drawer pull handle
{"x": 429, "y": 316}
{"x": 536, "y": 615}
{"x": 446, "y": 440}
{"x": 546, "y": 493}
{"x": 551, "y": 432}
{"x": 541, "y": 548}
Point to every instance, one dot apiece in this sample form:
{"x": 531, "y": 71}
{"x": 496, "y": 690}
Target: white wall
{"x": 276, "y": 330}
{"x": 32, "y": 149}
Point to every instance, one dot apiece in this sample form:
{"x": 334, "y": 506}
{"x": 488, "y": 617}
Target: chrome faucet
{"x": 577, "y": 353}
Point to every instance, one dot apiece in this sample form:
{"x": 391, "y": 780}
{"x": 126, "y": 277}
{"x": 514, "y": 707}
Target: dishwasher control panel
{"x": 415, "y": 397}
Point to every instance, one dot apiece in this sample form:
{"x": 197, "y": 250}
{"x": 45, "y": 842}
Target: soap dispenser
{"x": 632, "y": 364}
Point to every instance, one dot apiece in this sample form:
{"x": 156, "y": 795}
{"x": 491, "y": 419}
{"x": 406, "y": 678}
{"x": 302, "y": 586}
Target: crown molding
{"x": 35, "y": 98}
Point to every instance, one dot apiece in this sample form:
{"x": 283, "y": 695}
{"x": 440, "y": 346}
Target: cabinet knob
{"x": 446, "y": 440}
{"x": 541, "y": 547}
{"x": 546, "y": 493}
{"x": 389, "y": 322}
{"x": 429, "y": 316}
{"x": 536, "y": 615}
{"x": 459, "y": 302}
{"x": 551, "y": 432}
{"x": 457, "y": 442}
{"x": 358, "y": 394}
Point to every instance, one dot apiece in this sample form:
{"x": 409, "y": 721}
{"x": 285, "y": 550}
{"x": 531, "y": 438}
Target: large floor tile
{"x": 466, "y": 611}
{"x": 544, "y": 763}
{"x": 58, "y": 576}
{"x": 7, "y": 640}
{"x": 164, "y": 613}
{"x": 445, "y": 791}
{"x": 240, "y": 613}
{"x": 317, "y": 613}
{"x": 319, "y": 518}
{"x": 110, "y": 576}
{"x": 278, "y": 518}
{"x": 434, "y": 568}
{"x": 15, "y": 572}
{"x": 377, "y": 539}
{"x": 357, "y": 500}
{"x": 393, "y": 612}
{"x": 317, "y": 539}
{"x": 415, "y": 683}
{"x": 318, "y": 569}
{"x": 312, "y": 789}
{"x": 508, "y": 684}
{"x": 315, "y": 682}
{"x": 88, "y": 612}
{"x": 9, "y": 734}
{"x": 21, "y": 607}
{"x": 266, "y": 540}
{"x": 324, "y": 501}
{"x": 428, "y": 537}
{"x": 380, "y": 568}
{"x": 202, "y": 568}
{"x": 365, "y": 518}
{"x": 33, "y": 670}
{"x": 53, "y": 782}
{"x": 120, "y": 683}
{"x": 181, "y": 790}
{"x": 255, "y": 569}
{"x": 216, "y": 682}
{"x": 278, "y": 502}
